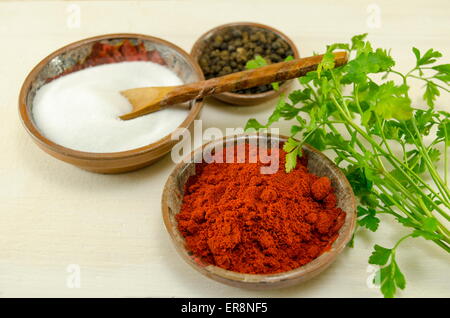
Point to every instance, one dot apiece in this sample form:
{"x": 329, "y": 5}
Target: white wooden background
{"x": 53, "y": 215}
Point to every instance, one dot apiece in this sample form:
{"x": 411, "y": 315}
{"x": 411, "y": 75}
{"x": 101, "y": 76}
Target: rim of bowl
{"x": 321, "y": 262}
{"x": 32, "y": 129}
{"x": 197, "y": 48}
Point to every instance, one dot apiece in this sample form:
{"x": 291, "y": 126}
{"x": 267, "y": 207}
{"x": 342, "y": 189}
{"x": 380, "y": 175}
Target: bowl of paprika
{"x": 239, "y": 218}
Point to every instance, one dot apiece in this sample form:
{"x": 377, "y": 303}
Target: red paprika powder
{"x": 234, "y": 217}
{"x": 104, "y": 53}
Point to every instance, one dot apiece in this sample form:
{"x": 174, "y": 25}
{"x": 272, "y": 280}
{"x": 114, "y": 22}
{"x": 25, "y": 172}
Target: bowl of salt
{"x": 70, "y": 102}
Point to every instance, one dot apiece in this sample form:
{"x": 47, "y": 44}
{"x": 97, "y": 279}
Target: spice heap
{"x": 122, "y": 51}
{"x": 238, "y": 219}
{"x": 229, "y": 50}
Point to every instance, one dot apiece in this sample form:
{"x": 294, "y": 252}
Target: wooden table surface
{"x": 70, "y": 233}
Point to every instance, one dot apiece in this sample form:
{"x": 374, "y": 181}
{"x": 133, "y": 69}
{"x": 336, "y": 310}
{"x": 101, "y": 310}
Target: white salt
{"x": 81, "y": 110}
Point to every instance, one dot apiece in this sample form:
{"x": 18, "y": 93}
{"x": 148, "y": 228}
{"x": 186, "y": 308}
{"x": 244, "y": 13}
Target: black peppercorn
{"x": 229, "y": 50}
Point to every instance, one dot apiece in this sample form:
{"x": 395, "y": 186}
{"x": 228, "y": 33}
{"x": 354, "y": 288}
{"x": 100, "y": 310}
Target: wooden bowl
{"x": 66, "y": 57}
{"x": 244, "y": 99}
{"x": 318, "y": 164}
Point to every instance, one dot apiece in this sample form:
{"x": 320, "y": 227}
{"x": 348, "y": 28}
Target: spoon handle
{"x": 249, "y": 78}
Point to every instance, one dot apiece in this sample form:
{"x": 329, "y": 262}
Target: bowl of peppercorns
{"x": 228, "y": 49}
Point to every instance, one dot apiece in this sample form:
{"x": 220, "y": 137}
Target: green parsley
{"x": 369, "y": 100}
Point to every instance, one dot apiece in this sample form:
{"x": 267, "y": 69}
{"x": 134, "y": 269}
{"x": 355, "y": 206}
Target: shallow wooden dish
{"x": 244, "y": 99}
{"x": 318, "y": 164}
{"x": 62, "y": 59}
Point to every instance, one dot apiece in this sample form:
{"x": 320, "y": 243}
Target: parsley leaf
{"x": 366, "y": 63}
{"x": 288, "y": 58}
{"x": 428, "y": 229}
{"x": 290, "y": 145}
{"x": 443, "y": 68}
{"x": 391, "y": 277}
{"x": 360, "y": 45}
{"x": 327, "y": 63}
{"x": 380, "y": 255}
{"x": 394, "y": 107}
{"x": 316, "y": 138}
{"x": 390, "y": 102}
{"x": 258, "y": 61}
{"x": 428, "y": 58}
{"x": 300, "y": 95}
{"x": 431, "y": 92}
{"x": 369, "y": 219}
{"x": 253, "y": 124}
{"x": 443, "y": 73}
{"x": 444, "y": 130}
{"x": 291, "y": 160}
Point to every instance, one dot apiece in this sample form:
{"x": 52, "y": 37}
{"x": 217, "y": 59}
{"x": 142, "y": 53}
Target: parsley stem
{"x": 392, "y": 158}
{"x": 437, "y": 179}
{"x": 399, "y": 242}
{"x": 438, "y": 242}
{"x": 398, "y": 73}
{"x": 446, "y": 167}
{"x": 426, "y": 80}
{"x": 392, "y": 202}
{"x": 355, "y": 92}
{"x": 400, "y": 188}
{"x": 393, "y": 155}
{"x": 405, "y": 157}
{"x": 313, "y": 92}
{"x": 305, "y": 137}
{"x": 442, "y": 230}
{"x": 443, "y": 245}
{"x": 375, "y": 147}
{"x": 399, "y": 205}
{"x": 347, "y": 122}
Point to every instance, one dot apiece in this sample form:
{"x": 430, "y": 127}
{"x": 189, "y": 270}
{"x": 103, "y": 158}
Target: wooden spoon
{"x": 146, "y": 100}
